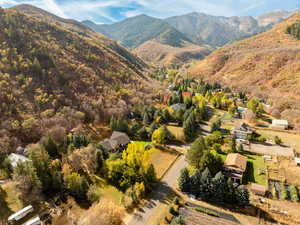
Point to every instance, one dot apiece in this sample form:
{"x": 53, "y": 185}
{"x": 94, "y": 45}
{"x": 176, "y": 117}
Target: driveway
{"x": 143, "y": 216}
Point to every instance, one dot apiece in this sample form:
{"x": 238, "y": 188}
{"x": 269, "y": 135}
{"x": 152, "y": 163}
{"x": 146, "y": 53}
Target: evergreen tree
{"x": 242, "y": 195}
{"x": 51, "y": 147}
{"x": 219, "y": 187}
{"x": 143, "y": 134}
{"x": 233, "y": 144}
{"x": 184, "y": 181}
{"x": 196, "y": 182}
{"x": 205, "y": 188}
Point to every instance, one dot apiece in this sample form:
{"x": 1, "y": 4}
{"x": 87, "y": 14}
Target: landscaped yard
{"x": 255, "y": 172}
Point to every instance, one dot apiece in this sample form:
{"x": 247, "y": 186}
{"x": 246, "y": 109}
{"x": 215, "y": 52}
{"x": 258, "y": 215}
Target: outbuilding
{"x": 258, "y": 189}
{"x": 280, "y": 124}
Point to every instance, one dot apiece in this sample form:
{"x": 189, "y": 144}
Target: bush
{"x": 94, "y": 193}
{"x": 277, "y": 140}
{"x": 261, "y": 139}
{"x": 206, "y": 211}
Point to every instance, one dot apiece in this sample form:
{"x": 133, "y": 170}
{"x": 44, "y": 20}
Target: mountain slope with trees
{"x": 53, "y": 78}
{"x": 134, "y": 31}
{"x": 266, "y": 65}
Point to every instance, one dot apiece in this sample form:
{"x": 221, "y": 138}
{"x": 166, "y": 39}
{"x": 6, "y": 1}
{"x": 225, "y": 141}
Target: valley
{"x": 183, "y": 120}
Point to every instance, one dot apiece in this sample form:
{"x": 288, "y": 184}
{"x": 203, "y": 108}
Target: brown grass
{"x": 161, "y": 161}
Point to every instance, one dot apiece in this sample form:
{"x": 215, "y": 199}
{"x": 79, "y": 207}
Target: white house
{"x": 20, "y": 214}
{"x": 280, "y": 124}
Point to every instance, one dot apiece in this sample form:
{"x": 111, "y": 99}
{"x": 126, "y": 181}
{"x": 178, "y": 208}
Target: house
{"x": 280, "y": 124}
{"x": 186, "y": 94}
{"x": 242, "y": 131}
{"x": 178, "y": 106}
{"x": 258, "y": 189}
{"x": 34, "y": 221}
{"x": 16, "y": 158}
{"x": 117, "y": 142}
{"x": 235, "y": 166}
{"x": 20, "y": 214}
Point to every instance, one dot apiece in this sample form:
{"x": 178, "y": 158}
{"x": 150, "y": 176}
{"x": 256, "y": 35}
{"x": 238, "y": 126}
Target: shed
{"x": 258, "y": 189}
{"x": 280, "y": 124}
{"x": 16, "y": 158}
{"x": 21, "y": 213}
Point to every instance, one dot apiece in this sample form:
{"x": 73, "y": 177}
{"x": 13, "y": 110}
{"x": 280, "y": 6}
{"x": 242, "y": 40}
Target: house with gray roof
{"x": 116, "y": 143}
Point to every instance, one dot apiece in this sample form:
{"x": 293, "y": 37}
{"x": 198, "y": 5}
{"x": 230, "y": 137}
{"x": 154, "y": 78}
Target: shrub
{"x": 206, "y": 211}
{"x": 277, "y": 140}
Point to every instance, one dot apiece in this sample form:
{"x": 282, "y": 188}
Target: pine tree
{"x": 196, "y": 182}
{"x": 233, "y": 144}
{"x": 242, "y": 195}
{"x": 184, "y": 181}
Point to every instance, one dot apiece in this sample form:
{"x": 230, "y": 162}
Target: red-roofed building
{"x": 186, "y": 94}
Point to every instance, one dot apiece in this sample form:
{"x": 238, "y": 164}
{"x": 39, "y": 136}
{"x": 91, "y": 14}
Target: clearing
{"x": 293, "y": 140}
{"x": 270, "y": 149}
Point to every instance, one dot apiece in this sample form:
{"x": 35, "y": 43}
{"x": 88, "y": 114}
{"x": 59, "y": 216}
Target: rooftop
{"x": 237, "y": 161}
{"x": 280, "y": 122}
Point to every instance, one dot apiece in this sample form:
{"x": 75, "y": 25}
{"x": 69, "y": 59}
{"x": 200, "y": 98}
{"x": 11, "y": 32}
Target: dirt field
{"x": 161, "y": 161}
{"x": 275, "y": 150}
{"x": 290, "y": 139}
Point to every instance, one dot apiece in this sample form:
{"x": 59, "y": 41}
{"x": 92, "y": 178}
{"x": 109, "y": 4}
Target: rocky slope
{"x": 266, "y": 65}
{"x": 219, "y": 30}
{"x": 57, "y": 75}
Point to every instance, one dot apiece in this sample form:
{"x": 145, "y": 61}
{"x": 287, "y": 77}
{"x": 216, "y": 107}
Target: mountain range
{"x": 182, "y": 38}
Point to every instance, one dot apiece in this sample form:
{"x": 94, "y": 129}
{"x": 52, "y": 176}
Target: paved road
{"x": 142, "y": 216}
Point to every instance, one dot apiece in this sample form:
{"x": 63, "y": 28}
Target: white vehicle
{"x": 21, "y": 213}
{"x": 34, "y": 221}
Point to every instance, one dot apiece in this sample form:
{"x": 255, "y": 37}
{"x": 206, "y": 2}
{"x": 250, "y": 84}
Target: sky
{"x": 110, "y": 11}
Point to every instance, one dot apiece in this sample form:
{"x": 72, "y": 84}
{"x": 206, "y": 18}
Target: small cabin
{"x": 280, "y": 124}
{"x": 20, "y": 214}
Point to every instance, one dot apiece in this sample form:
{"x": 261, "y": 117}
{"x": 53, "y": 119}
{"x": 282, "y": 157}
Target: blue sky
{"x": 109, "y": 11}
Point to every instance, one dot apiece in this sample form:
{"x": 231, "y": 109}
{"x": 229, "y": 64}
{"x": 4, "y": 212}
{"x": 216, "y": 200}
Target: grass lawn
{"x": 252, "y": 174}
{"x": 293, "y": 140}
{"x": 177, "y": 132}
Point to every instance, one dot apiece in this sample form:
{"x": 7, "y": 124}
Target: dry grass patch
{"x": 13, "y": 196}
{"x": 292, "y": 140}
{"x": 161, "y": 161}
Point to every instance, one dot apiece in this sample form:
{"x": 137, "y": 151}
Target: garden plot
{"x": 283, "y": 191}
{"x": 274, "y": 150}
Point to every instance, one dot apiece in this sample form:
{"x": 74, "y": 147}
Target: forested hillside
{"x": 54, "y": 78}
{"x": 266, "y": 65}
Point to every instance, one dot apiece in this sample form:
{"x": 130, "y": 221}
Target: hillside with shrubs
{"x": 266, "y": 66}
{"x": 56, "y": 75}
